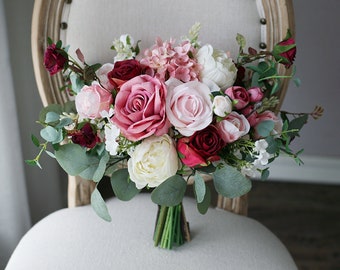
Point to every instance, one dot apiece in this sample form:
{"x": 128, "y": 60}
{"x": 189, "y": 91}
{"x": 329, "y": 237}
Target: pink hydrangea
{"x": 167, "y": 60}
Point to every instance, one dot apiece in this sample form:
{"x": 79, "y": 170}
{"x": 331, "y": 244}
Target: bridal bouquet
{"x": 179, "y": 111}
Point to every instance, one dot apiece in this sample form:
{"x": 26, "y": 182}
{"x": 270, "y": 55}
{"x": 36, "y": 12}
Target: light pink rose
{"x": 92, "y": 100}
{"x": 140, "y": 108}
{"x": 269, "y": 115}
{"x": 233, "y": 127}
{"x": 255, "y": 94}
{"x": 238, "y": 94}
{"x": 102, "y": 72}
{"x": 188, "y": 106}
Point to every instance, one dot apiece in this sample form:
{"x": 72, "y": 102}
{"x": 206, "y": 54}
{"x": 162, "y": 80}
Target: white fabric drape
{"x": 14, "y": 212}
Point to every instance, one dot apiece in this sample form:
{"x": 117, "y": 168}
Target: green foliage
{"x": 122, "y": 186}
{"x": 200, "y": 187}
{"x": 99, "y": 206}
{"x": 203, "y": 206}
{"x": 229, "y": 182}
{"x": 265, "y": 128}
{"x": 170, "y": 192}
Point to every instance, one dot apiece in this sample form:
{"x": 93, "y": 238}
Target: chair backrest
{"x": 92, "y": 25}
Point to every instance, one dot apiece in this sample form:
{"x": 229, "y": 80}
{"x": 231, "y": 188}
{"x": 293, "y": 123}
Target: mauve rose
{"x": 188, "y": 106}
{"x": 285, "y": 51}
{"x": 233, "y": 127}
{"x": 200, "y": 148}
{"x": 54, "y": 59}
{"x": 269, "y": 115}
{"x": 92, "y": 100}
{"x": 140, "y": 108}
{"x": 255, "y": 94}
{"x": 238, "y": 94}
{"x": 86, "y": 136}
{"x": 250, "y": 114}
{"x": 124, "y": 71}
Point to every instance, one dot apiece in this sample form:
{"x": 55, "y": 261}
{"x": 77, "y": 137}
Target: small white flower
{"x": 124, "y": 48}
{"x": 261, "y": 146}
{"x": 111, "y": 134}
{"x": 262, "y": 159}
{"x": 222, "y": 105}
{"x": 250, "y": 171}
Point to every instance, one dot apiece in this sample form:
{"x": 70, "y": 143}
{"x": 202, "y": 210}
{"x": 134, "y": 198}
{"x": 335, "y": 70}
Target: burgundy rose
{"x": 86, "y": 136}
{"x": 200, "y": 148}
{"x": 285, "y": 51}
{"x": 124, "y": 71}
{"x": 55, "y": 59}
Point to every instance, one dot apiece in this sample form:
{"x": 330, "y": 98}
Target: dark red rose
{"x": 124, "y": 71}
{"x": 285, "y": 51}
{"x": 200, "y": 148}
{"x": 86, "y": 136}
{"x": 55, "y": 59}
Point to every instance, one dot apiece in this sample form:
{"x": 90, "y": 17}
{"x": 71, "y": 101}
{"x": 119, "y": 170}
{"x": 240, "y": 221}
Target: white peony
{"x": 153, "y": 161}
{"x": 217, "y": 66}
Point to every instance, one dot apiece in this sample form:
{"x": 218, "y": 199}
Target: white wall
{"x": 317, "y": 23}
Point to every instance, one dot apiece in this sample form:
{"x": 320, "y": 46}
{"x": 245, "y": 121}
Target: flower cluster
{"x": 178, "y": 110}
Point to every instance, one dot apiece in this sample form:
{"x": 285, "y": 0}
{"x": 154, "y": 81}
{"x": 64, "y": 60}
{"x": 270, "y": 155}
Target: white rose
{"x": 217, "y": 66}
{"x": 153, "y": 161}
{"x": 222, "y": 105}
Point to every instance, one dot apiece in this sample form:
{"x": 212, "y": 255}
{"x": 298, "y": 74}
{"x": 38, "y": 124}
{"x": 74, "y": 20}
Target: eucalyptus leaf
{"x": 100, "y": 171}
{"x": 265, "y": 128}
{"x": 84, "y": 165}
{"x": 298, "y": 123}
{"x": 230, "y": 183}
{"x": 52, "y": 117}
{"x": 77, "y": 83}
{"x": 200, "y": 187}
{"x": 170, "y": 192}
{"x": 56, "y": 108}
{"x": 203, "y": 206}
{"x": 122, "y": 186}
{"x": 64, "y": 122}
{"x": 99, "y": 206}
{"x": 51, "y": 134}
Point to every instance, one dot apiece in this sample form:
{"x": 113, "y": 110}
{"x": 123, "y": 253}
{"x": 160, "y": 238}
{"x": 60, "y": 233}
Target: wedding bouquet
{"x": 179, "y": 111}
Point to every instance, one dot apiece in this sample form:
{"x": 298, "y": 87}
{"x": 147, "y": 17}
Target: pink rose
{"x": 238, "y": 94}
{"x": 188, "y": 106}
{"x": 233, "y": 127}
{"x": 269, "y": 115}
{"x": 140, "y": 108}
{"x": 255, "y": 94}
{"x": 92, "y": 100}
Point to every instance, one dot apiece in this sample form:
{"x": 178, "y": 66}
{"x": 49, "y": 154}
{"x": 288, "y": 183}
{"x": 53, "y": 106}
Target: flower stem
{"x": 171, "y": 227}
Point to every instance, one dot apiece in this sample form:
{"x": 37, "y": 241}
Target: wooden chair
{"x": 92, "y": 26}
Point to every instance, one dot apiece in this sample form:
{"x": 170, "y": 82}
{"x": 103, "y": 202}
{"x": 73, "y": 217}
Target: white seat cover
{"x": 76, "y": 238}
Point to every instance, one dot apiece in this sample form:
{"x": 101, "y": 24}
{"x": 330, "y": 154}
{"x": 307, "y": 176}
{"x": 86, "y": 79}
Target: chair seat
{"x": 76, "y": 238}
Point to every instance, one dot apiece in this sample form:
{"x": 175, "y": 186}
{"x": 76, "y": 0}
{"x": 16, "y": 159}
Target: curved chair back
{"x": 92, "y": 26}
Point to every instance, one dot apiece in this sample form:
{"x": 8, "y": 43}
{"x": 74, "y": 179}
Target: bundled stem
{"x": 171, "y": 227}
